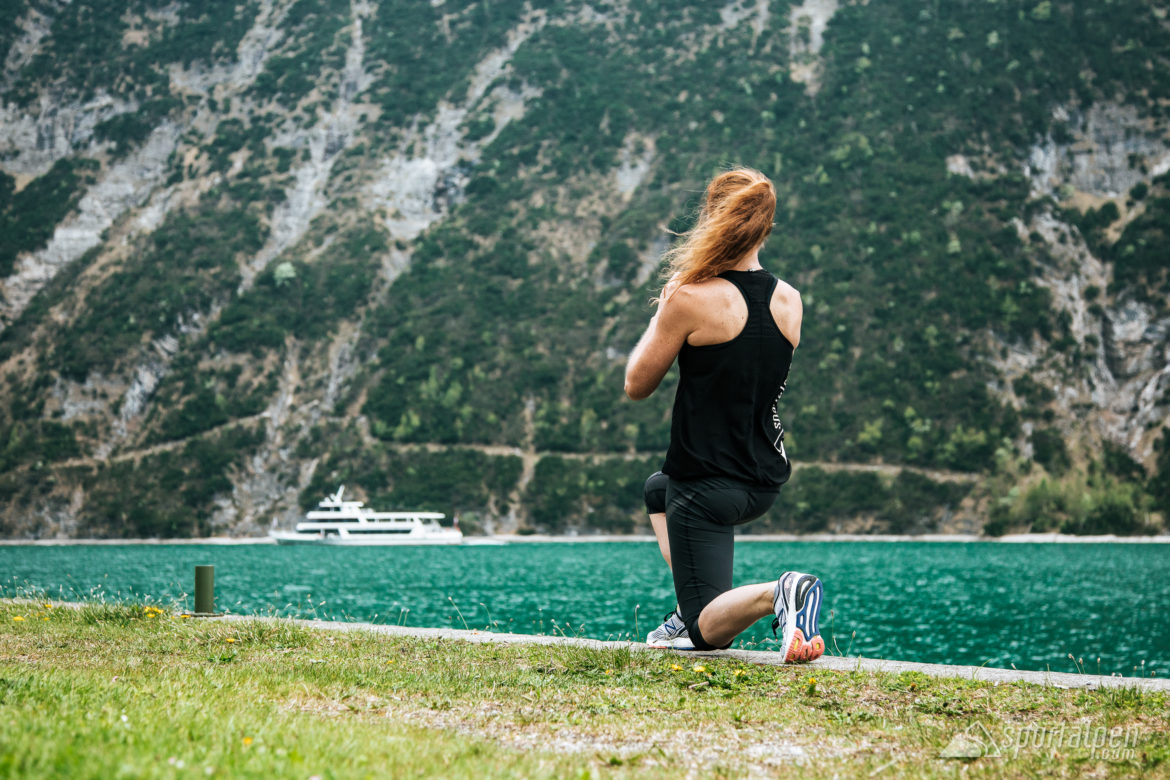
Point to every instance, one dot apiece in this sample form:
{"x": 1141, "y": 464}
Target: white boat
{"x": 349, "y": 523}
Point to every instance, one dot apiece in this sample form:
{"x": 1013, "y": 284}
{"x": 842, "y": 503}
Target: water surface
{"x": 1031, "y": 605}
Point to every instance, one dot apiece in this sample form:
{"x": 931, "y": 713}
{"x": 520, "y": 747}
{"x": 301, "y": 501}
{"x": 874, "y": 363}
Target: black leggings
{"x": 701, "y": 516}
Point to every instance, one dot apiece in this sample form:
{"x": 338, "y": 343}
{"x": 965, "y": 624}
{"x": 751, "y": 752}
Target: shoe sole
{"x": 805, "y": 643}
{"x": 670, "y": 645}
{"x": 684, "y": 643}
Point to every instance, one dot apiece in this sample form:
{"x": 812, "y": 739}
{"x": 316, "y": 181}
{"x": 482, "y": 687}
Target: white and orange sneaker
{"x": 797, "y": 604}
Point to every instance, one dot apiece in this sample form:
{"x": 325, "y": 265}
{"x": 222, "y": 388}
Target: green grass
{"x": 122, "y": 690}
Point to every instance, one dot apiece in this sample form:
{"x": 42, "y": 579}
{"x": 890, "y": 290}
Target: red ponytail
{"x": 735, "y": 219}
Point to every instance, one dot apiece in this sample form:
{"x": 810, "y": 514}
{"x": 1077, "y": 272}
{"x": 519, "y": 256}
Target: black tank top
{"x": 725, "y": 420}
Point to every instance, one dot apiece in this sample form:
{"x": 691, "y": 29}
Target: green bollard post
{"x": 204, "y": 590}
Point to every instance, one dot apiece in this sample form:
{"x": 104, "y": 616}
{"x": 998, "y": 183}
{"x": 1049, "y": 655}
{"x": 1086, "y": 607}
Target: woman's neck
{"x": 750, "y": 262}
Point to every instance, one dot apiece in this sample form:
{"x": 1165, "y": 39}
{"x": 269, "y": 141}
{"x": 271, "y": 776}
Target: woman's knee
{"x": 654, "y": 493}
{"x": 696, "y": 636}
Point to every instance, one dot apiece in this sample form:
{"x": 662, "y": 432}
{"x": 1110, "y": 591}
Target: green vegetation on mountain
{"x": 180, "y": 270}
{"x": 313, "y": 27}
{"x": 28, "y": 217}
{"x": 10, "y": 15}
{"x": 403, "y": 41}
{"x": 300, "y": 300}
{"x": 1159, "y": 484}
{"x": 124, "y": 48}
{"x": 573, "y": 495}
{"x": 1106, "y": 498}
{"x": 164, "y": 495}
{"x": 904, "y": 504}
{"x": 1138, "y": 259}
{"x": 443, "y": 222}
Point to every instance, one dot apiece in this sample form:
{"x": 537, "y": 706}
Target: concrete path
{"x": 760, "y": 657}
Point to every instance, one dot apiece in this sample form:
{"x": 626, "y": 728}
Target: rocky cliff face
{"x": 1119, "y": 392}
{"x": 406, "y": 245}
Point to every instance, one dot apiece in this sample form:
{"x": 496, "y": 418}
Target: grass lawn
{"x": 130, "y": 691}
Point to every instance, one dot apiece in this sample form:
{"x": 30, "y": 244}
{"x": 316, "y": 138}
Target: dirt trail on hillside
{"x": 529, "y": 455}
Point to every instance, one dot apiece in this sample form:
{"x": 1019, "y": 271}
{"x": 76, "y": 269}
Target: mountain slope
{"x": 254, "y": 250}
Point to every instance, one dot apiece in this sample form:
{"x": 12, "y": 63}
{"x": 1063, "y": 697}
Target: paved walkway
{"x": 761, "y": 657}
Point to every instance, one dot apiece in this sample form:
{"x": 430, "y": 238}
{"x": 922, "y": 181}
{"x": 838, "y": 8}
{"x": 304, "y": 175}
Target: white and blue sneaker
{"x": 797, "y": 604}
{"x": 672, "y": 634}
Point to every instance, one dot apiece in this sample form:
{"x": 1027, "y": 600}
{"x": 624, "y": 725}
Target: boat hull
{"x": 351, "y": 541}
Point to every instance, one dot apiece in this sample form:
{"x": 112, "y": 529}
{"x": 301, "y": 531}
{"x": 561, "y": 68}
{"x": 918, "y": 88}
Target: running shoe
{"x": 671, "y": 634}
{"x": 797, "y": 604}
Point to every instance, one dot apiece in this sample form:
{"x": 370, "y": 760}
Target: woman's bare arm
{"x": 659, "y": 346}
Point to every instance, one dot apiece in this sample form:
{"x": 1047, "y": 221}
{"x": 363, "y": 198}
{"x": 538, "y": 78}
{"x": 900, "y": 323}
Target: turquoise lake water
{"x": 1031, "y": 605}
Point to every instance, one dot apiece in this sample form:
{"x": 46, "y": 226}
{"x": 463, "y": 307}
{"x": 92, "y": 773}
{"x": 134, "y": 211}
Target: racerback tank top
{"x": 726, "y": 420}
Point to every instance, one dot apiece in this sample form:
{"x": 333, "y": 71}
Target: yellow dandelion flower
{"x": 247, "y": 741}
{"x": 609, "y": 671}
{"x": 389, "y": 660}
{"x": 44, "y": 618}
{"x": 184, "y": 617}
{"x": 18, "y": 618}
{"x": 699, "y": 668}
{"x": 739, "y": 672}
{"x": 675, "y": 668}
{"x": 48, "y": 606}
{"x": 230, "y": 640}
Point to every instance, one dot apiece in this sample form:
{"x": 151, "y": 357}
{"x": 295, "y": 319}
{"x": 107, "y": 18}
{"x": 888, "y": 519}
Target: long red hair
{"x": 735, "y": 218}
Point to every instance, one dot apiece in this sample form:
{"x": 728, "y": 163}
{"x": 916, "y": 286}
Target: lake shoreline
{"x": 473, "y": 541}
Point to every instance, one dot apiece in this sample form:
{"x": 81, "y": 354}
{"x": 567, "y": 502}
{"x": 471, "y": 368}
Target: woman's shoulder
{"x": 786, "y": 292}
{"x": 713, "y": 288}
{"x": 698, "y": 294}
{"x": 788, "y": 311}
